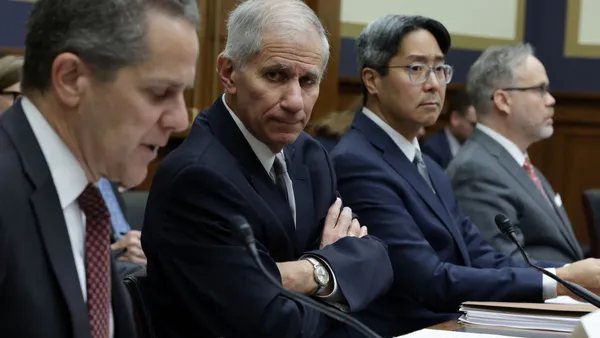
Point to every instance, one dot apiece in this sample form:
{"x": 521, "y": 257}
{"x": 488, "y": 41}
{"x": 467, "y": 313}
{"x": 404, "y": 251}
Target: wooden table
{"x": 453, "y": 325}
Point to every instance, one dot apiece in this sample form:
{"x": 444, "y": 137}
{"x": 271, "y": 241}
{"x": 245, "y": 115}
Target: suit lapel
{"x": 400, "y": 163}
{"x": 228, "y": 133}
{"x": 51, "y": 221}
{"x": 564, "y": 224}
{"x": 519, "y": 174}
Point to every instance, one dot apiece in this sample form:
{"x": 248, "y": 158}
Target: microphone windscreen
{"x": 503, "y": 223}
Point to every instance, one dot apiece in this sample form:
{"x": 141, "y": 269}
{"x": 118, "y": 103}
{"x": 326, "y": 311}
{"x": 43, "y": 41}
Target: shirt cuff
{"x": 335, "y": 298}
{"x": 549, "y": 285}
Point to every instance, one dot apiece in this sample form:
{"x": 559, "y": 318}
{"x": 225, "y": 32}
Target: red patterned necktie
{"x": 534, "y": 177}
{"x": 97, "y": 260}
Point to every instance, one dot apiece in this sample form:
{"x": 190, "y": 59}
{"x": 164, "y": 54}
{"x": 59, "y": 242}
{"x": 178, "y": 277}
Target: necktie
{"x": 120, "y": 225}
{"x": 534, "y": 177}
{"x": 97, "y": 260}
{"x": 279, "y": 171}
{"x": 422, "y": 168}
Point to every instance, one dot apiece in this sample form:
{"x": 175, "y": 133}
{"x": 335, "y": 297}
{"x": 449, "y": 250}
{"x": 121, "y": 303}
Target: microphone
{"x": 505, "y": 225}
{"x": 244, "y": 230}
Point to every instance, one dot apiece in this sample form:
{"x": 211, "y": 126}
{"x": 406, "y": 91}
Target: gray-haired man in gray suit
{"x": 492, "y": 173}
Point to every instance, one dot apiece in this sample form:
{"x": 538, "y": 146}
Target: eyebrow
{"x": 171, "y": 84}
{"x": 425, "y": 58}
{"x": 280, "y": 67}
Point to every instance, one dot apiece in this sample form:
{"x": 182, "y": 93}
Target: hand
{"x": 585, "y": 273}
{"x": 132, "y": 244}
{"x": 339, "y": 224}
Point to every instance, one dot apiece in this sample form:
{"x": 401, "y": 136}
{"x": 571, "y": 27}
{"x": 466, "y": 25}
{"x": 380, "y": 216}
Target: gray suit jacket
{"x": 487, "y": 181}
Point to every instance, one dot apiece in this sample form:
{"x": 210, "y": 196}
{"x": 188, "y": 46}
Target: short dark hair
{"x": 380, "y": 40}
{"x": 106, "y": 34}
{"x": 460, "y": 103}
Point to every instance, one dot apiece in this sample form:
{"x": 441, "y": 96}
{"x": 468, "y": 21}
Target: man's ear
{"x": 502, "y": 101}
{"x": 70, "y": 75}
{"x": 226, "y": 71}
{"x": 370, "y": 79}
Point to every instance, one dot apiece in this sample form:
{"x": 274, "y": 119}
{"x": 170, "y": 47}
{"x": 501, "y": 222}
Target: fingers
{"x": 363, "y": 231}
{"x": 333, "y": 214}
{"x": 354, "y": 229}
{"x": 344, "y": 221}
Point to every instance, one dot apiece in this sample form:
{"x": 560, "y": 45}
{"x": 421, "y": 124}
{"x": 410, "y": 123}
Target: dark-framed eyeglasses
{"x": 15, "y": 94}
{"x": 418, "y": 73}
{"x": 542, "y": 89}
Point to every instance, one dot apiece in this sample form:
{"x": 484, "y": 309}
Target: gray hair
{"x": 105, "y": 34}
{"x": 493, "y": 70}
{"x": 249, "y": 21}
{"x": 380, "y": 40}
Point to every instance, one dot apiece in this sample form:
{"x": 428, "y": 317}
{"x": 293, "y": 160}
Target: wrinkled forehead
{"x": 298, "y": 57}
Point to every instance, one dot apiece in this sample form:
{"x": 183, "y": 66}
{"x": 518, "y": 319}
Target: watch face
{"x": 321, "y": 275}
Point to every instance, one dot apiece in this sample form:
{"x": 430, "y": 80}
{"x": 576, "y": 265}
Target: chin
{"x": 133, "y": 176}
{"x": 546, "y": 132}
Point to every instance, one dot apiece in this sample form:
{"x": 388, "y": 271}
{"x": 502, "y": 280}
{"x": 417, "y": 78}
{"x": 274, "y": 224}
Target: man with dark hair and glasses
{"x": 439, "y": 257}
{"x": 493, "y": 174}
{"x": 445, "y": 143}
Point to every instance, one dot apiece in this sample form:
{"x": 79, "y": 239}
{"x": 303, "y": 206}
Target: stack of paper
{"x": 553, "y": 317}
{"x": 427, "y": 333}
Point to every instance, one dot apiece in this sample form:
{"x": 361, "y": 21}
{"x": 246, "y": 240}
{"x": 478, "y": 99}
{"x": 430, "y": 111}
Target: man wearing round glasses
{"x": 439, "y": 257}
{"x": 493, "y": 174}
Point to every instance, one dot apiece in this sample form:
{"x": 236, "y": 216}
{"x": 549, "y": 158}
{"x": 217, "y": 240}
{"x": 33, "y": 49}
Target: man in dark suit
{"x": 493, "y": 174}
{"x": 89, "y": 110}
{"x": 439, "y": 258}
{"x": 247, "y": 155}
{"x": 443, "y": 145}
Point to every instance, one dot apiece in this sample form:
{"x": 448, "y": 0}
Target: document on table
{"x": 553, "y": 316}
{"x": 427, "y": 333}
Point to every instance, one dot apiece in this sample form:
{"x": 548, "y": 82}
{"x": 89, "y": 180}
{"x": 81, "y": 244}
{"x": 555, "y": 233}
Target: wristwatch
{"x": 321, "y": 274}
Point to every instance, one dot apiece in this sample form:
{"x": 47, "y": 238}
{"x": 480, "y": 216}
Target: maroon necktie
{"x": 97, "y": 260}
{"x": 534, "y": 177}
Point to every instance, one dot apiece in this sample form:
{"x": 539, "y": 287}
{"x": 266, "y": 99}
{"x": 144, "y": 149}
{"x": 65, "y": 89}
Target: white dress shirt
{"x": 452, "y": 142}
{"x": 266, "y": 158}
{"x": 408, "y": 148}
{"x": 70, "y": 181}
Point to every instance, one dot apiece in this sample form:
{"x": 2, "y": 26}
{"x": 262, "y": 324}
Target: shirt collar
{"x": 262, "y": 152}
{"x": 67, "y": 174}
{"x": 507, "y": 144}
{"x": 408, "y": 148}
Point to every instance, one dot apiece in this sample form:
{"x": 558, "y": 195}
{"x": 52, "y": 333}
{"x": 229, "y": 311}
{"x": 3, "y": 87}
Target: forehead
{"x": 420, "y": 45}
{"x": 173, "y": 49}
{"x": 303, "y": 53}
{"x": 531, "y": 71}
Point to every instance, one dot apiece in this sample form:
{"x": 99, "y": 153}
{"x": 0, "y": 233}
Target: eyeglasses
{"x": 419, "y": 73}
{"x": 542, "y": 89}
{"x": 15, "y": 94}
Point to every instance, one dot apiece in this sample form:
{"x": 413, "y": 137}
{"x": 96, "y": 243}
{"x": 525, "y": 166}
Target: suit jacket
{"x": 200, "y": 277}
{"x": 437, "y": 148}
{"x": 487, "y": 181}
{"x": 439, "y": 258}
{"x": 40, "y": 294}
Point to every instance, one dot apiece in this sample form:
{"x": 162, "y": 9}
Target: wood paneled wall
{"x": 570, "y": 159}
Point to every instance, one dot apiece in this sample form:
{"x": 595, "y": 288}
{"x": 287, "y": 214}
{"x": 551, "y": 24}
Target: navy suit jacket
{"x": 437, "y": 148}
{"x": 202, "y": 282}
{"x": 439, "y": 258}
{"x": 40, "y": 294}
